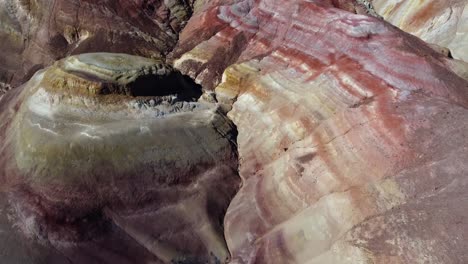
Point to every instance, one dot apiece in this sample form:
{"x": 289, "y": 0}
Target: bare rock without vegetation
{"x": 262, "y": 132}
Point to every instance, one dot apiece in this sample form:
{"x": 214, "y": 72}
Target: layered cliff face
{"x": 352, "y": 134}
{"x": 351, "y": 142}
{"x": 440, "y": 22}
{"x": 35, "y": 33}
{"x": 111, "y": 158}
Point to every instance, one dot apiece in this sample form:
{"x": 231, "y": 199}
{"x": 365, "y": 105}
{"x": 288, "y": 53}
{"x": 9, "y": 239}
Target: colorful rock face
{"x": 110, "y": 158}
{"x": 36, "y": 33}
{"x": 351, "y": 143}
{"x": 352, "y": 134}
{"x": 440, "y": 22}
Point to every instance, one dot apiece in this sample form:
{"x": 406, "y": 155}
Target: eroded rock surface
{"x": 352, "y": 134}
{"x": 440, "y": 22}
{"x": 35, "y": 33}
{"x": 352, "y": 139}
{"x": 111, "y": 158}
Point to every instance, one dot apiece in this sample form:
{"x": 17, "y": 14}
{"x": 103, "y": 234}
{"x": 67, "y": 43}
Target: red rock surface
{"x": 352, "y": 134}
{"x": 352, "y": 145}
{"x": 36, "y": 33}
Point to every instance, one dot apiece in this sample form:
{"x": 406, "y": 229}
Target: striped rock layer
{"x": 112, "y": 158}
{"x": 352, "y": 134}
{"x": 441, "y": 22}
{"x": 35, "y": 33}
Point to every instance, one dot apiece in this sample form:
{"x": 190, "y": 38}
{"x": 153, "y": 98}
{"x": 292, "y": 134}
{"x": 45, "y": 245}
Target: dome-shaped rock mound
{"x": 112, "y": 158}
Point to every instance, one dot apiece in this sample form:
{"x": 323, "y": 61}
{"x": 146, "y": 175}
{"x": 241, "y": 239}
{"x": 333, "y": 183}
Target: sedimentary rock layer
{"x": 36, "y": 33}
{"x": 440, "y": 22}
{"x": 111, "y": 158}
{"x": 352, "y": 134}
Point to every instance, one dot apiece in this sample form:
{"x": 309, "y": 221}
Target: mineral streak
{"x": 352, "y": 134}
{"x": 352, "y": 141}
{"x": 440, "y": 22}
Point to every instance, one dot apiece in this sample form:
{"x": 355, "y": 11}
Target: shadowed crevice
{"x": 174, "y": 83}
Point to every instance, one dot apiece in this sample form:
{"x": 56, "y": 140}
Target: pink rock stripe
{"x": 351, "y": 134}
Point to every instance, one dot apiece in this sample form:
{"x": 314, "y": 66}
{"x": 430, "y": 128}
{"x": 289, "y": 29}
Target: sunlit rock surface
{"x": 352, "y": 134}
{"x": 111, "y": 158}
{"x": 36, "y": 33}
{"x": 441, "y": 22}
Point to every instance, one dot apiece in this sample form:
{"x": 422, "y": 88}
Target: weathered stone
{"x": 90, "y": 166}
{"x": 440, "y": 22}
{"x": 352, "y": 134}
{"x": 352, "y": 140}
{"x": 36, "y": 33}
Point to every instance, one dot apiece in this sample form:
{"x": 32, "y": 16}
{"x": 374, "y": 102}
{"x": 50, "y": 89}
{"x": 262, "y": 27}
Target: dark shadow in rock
{"x": 173, "y": 84}
{"x": 176, "y": 84}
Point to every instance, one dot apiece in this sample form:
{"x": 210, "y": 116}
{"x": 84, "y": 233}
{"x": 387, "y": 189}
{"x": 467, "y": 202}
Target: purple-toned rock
{"x": 36, "y": 33}
{"x": 111, "y": 158}
{"x": 351, "y": 137}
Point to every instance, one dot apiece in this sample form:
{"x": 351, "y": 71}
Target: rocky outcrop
{"x": 352, "y": 134}
{"x": 36, "y": 33}
{"x": 4, "y": 88}
{"x": 111, "y": 158}
{"x": 440, "y": 22}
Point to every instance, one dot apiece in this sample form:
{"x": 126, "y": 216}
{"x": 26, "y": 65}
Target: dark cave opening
{"x": 163, "y": 85}
{"x": 172, "y": 84}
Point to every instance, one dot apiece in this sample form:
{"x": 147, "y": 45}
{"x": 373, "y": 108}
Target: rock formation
{"x": 36, "y": 33}
{"x": 352, "y": 134}
{"x": 110, "y": 158}
{"x": 351, "y": 143}
{"x": 440, "y": 22}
